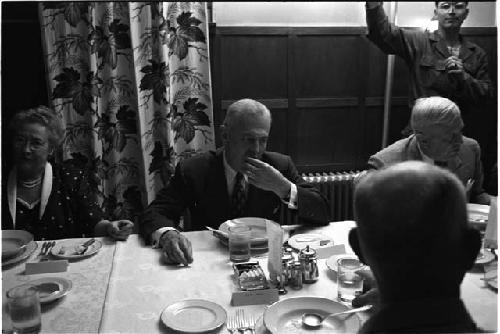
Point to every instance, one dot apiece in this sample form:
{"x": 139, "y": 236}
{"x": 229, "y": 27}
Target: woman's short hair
{"x": 40, "y": 115}
{"x": 435, "y": 110}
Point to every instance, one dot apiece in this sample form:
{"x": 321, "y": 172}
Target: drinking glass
{"x": 239, "y": 243}
{"x": 349, "y": 284}
{"x": 24, "y": 309}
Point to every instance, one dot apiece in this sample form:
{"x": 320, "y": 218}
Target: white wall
{"x": 316, "y": 14}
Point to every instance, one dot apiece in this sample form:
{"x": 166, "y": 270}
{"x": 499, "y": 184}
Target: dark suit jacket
{"x": 421, "y": 316}
{"x": 199, "y": 183}
{"x": 466, "y": 165}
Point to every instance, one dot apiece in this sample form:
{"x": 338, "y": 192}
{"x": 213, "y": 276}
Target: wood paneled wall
{"x": 323, "y": 85}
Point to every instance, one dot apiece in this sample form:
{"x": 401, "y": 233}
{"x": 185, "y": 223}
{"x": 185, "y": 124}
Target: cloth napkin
{"x": 275, "y": 240}
{"x": 490, "y": 235}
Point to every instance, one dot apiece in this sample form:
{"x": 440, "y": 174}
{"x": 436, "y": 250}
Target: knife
{"x": 218, "y": 233}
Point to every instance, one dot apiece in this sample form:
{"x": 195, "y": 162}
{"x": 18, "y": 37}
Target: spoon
{"x": 314, "y": 320}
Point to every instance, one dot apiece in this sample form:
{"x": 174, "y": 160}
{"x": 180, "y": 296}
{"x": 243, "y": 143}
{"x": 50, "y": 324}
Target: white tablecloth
{"x": 141, "y": 286}
{"x": 80, "y": 311}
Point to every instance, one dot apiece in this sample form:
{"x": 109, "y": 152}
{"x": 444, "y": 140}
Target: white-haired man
{"x": 437, "y": 139}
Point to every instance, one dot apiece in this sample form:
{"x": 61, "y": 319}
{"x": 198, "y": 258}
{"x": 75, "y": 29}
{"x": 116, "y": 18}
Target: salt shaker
{"x": 286, "y": 261}
{"x": 309, "y": 263}
{"x": 296, "y": 275}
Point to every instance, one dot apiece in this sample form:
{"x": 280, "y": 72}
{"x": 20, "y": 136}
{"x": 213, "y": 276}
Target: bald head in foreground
{"x": 410, "y": 216}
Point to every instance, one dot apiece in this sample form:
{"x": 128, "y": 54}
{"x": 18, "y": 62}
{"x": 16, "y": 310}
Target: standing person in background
{"x": 51, "y": 201}
{"x": 442, "y": 63}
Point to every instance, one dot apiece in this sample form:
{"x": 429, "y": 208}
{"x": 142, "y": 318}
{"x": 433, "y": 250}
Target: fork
{"x": 45, "y": 253}
{"x": 250, "y": 324}
{"x": 231, "y": 324}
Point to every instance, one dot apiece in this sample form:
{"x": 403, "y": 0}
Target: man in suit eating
{"x": 241, "y": 179}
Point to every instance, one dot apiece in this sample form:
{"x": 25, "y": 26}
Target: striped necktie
{"x": 238, "y": 197}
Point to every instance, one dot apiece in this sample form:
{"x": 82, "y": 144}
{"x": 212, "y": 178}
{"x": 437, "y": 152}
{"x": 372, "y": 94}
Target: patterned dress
{"x": 71, "y": 210}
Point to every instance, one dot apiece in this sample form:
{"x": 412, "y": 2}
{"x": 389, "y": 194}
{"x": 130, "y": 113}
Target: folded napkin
{"x": 490, "y": 235}
{"x": 275, "y": 241}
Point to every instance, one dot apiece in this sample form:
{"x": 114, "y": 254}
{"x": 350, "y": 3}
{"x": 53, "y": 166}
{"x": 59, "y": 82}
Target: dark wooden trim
{"x": 244, "y": 30}
{"x": 326, "y": 102}
{"x": 354, "y": 30}
{"x": 291, "y": 119}
{"x": 375, "y": 101}
{"x": 270, "y": 103}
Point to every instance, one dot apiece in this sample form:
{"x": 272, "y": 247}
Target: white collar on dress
{"x": 12, "y": 191}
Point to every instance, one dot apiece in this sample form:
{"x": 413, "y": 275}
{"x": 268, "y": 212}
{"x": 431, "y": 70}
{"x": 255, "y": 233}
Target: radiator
{"x": 338, "y": 190}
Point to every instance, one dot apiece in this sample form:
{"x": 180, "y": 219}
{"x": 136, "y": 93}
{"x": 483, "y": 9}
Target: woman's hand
{"x": 120, "y": 229}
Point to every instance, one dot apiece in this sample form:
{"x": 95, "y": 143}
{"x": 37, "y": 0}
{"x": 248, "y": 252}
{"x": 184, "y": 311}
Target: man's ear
{"x": 435, "y": 17}
{"x": 223, "y": 133}
{"x": 471, "y": 247}
{"x": 354, "y": 242}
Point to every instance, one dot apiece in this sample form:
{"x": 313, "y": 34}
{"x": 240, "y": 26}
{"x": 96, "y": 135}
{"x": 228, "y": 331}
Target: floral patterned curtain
{"x": 131, "y": 81}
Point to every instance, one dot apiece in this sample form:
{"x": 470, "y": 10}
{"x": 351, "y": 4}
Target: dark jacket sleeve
{"x": 166, "y": 209}
{"x": 478, "y": 194}
{"x": 388, "y": 37}
{"x": 477, "y": 86}
{"x": 312, "y": 206}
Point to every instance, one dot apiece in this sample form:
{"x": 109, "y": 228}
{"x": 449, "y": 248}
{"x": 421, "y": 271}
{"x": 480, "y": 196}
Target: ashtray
{"x": 250, "y": 276}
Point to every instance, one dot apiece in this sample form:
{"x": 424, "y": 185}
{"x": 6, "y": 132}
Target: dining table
{"x": 125, "y": 287}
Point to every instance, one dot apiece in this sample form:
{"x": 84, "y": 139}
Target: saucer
{"x": 193, "y": 316}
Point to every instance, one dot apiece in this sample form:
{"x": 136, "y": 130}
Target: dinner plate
{"x": 478, "y": 214}
{"x": 285, "y": 316}
{"x": 313, "y": 240}
{"x": 51, "y": 288}
{"x": 67, "y": 249}
{"x": 193, "y": 316}
{"x": 259, "y": 326}
{"x": 331, "y": 262}
{"x": 14, "y": 241}
{"x": 23, "y": 255}
{"x": 257, "y": 225}
{"x": 486, "y": 258}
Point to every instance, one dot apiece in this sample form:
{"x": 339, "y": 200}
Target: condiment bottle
{"x": 309, "y": 262}
{"x": 296, "y": 275}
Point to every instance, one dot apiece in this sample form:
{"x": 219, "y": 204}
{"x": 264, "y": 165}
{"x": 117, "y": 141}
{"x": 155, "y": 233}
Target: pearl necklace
{"x": 31, "y": 183}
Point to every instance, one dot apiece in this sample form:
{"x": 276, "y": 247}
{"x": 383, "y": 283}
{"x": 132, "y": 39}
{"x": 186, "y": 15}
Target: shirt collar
{"x": 435, "y": 37}
{"x": 425, "y": 158}
{"x": 228, "y": 170}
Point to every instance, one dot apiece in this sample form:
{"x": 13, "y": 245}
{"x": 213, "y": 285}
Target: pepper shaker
{"x": 309, "y": 262}
{"x": 296, "y": 275}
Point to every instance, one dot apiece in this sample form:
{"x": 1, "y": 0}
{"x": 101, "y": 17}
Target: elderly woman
{"x": 51, "y": 202}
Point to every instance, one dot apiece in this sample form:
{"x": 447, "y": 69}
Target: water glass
{"x": 24, "y": 309}
{"x": 239, "y": 243}
{"x": 349, "y": 284}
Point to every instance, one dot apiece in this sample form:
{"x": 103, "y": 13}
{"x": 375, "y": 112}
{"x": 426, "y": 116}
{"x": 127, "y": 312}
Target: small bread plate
{"x": 331, "y": 262}
{"x": 257, "y": 225}
{"x": 23, "y": 255}
{"x": 285, "y": 316}
{"x": 322, "y": 244}
{"x": 71, "y": 249}
{"x": 51, "y": 288}
{"x": 478, "y": 214}
{"x": 14, "y": 242}
{"x": 486, "y": 257}
{"x": 193, "y": 316}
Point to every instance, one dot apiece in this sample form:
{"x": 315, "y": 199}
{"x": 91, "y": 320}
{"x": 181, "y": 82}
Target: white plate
{"x": 331, "y": 262}
{"x": 257, "y": 225}
{"x": 193, "y": 316}
{"x": 259, "y": 326}
{"x": 52, "y": 288}
{"x": 14, "y": 241}
{"x": 313, "y": 240}
{"x": 285, "y": 316}
{"x": 25, "y": 253}
{"x": 486, "y": 258}
{"x": 478, "y": 214}
{"x": 70, "y": 249}
{"x": 491, "y": 274}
